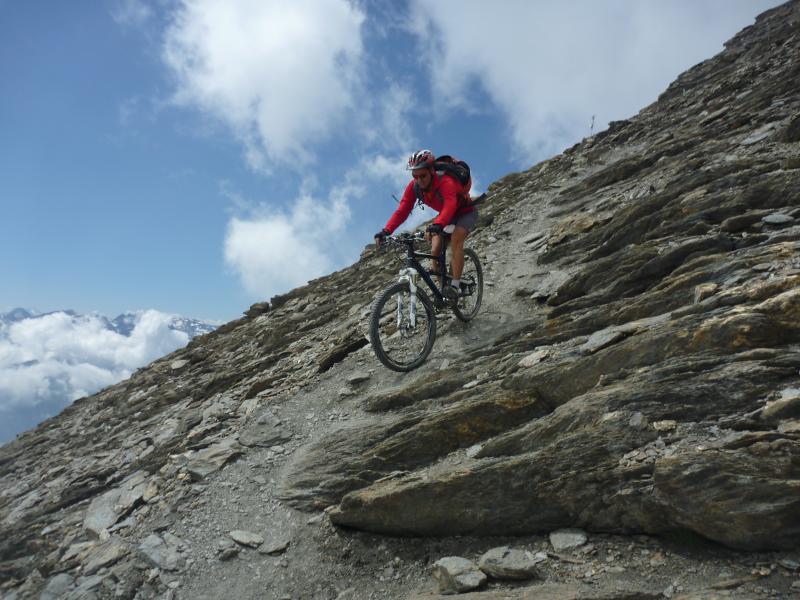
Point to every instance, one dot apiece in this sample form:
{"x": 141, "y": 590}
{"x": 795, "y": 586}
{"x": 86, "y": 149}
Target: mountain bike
{"x": 403, "y": 319}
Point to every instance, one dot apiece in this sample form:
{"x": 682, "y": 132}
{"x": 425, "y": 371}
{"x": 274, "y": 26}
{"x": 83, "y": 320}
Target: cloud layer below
{"x": 49, "y": 361}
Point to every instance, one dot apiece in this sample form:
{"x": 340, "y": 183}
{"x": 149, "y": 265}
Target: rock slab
{"x": 108, "y": 508}
{"x": 567, "y": 539}
{"x": 455, "y": 575}
{"x": 209, "y": 460}
{"x": 275, "y": 545}
{"x": 246, "y": 538}
{"x": 510, "y": 563}
{"x": 104, "y": 555}
{"x": 162, "y": 552}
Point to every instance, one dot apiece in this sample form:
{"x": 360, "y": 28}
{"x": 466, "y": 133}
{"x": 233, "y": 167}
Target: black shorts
{"x": 466, "y": 220}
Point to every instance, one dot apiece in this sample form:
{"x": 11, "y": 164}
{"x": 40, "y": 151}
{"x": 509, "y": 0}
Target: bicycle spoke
{"x": 472, "y": 283}
{"x": 399, "y": 343}
{"x": 404, "y": 341}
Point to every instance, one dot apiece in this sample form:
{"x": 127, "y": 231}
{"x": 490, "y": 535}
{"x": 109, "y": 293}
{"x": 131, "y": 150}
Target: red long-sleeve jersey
{"x": 445, "y": 195}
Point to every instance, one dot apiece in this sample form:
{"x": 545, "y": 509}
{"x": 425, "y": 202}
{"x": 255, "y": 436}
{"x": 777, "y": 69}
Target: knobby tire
{"x": 392, "y": 346}
{"x": 467, "y": 306}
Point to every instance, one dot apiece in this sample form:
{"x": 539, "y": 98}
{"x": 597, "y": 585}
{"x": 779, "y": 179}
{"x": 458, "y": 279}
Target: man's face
{"x": 422, "y": 177}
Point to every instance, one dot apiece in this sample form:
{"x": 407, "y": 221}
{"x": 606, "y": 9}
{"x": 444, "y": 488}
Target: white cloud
{"x": 550, "y": 66}
{"x": 392, "y": 169}
{"x": 274, "y": 251}
{"x": 131, "y": 13}
{"x": 382, "y": 168}
{"x": 383, "y": 120}
{"x": 280, "y": 74}
{"x": 48, "y": 361}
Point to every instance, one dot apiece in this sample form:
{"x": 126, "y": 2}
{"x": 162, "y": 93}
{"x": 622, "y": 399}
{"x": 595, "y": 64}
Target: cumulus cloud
{"x": 131, "y": 13}
{"x": 280, "y": 74}
{"x": 273, "y": 251}
{"x": 551, "y": 66}
{"x": 383, "y": 120}
{"x": 381, "y": 167}
{"x": 49, "y": 361}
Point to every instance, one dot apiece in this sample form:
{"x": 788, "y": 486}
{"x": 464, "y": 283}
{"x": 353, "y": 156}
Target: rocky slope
{"x": 634, "y": 373}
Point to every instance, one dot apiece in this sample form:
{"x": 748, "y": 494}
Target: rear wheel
{"x": 472, "y": 287}
{"x": 401, "y": 341}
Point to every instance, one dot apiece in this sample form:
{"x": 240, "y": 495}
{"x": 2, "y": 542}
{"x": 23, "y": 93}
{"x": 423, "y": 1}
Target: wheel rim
{"x": 406, "y": 343}
{"x": 471, "y": 278}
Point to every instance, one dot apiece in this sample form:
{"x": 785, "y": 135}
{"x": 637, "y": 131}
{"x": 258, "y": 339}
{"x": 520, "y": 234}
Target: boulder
{"x": 510, "y": 563}
{"x": 567, "y": 539}
{"x": 456, "y": 575}
{"x": 247, "y": 538}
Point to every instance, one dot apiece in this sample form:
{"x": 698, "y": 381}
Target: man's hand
{"x": 380, "y": 237}
{"x": 432, "y": 230}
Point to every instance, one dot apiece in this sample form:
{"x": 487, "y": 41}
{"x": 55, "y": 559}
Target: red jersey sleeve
{"x": 406, "y": 206}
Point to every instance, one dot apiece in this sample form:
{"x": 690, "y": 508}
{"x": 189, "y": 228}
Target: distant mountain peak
{"x": 16, "y": 314}
{"x": 124, "y": 323}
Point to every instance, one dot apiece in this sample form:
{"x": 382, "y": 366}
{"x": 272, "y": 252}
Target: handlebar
{"x": 406, "y": 238}
{"x": 402, "y": 242}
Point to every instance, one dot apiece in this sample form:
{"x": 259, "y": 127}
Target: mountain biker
{"x": 450, "y": 199}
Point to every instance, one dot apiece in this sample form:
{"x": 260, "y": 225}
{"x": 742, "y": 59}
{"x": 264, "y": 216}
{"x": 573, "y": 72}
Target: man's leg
{"x": 457, "y": 248}
{"x": 436, "y": 247}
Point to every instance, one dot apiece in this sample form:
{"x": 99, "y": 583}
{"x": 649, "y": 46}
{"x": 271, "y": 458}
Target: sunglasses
{"x": 423, "y": 175}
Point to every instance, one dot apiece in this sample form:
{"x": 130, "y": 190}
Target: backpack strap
{"x": 418, "y": 194}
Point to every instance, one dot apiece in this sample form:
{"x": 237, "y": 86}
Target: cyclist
{"x": 444, "y": 194}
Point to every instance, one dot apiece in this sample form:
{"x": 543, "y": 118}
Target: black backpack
{"x": 455, "y": 168}
{"x": 447, "y": 165}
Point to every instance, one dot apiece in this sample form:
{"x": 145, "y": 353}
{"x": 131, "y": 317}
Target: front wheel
{"x": 472, "y": 287}
{"x": 402, "y": 327}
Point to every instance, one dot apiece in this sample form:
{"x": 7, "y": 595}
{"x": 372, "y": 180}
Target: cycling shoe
{"x": 451, "y": 293}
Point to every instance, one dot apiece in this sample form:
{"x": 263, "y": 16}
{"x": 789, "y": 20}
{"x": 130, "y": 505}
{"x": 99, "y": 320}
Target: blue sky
{"x": 196, "y": 157}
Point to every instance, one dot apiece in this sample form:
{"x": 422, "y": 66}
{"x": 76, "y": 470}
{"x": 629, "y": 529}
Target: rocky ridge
{"x": 634, "y": 374}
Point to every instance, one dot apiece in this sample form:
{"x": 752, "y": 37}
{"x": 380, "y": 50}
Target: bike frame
{"x": 413, "y": 265}
{"x": 411, "y": 271}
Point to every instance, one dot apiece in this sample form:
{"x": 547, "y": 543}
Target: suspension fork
{"x": 409, "y": 275}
